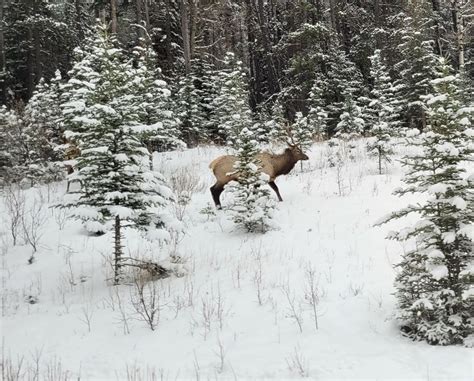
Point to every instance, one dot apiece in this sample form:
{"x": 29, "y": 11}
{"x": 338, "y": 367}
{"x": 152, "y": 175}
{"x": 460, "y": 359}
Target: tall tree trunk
{"x": 79, "y": 19}
{"x": 147, "y": 15}
{"x": 274, "y": 85}
{"x": 113, "y": 16}
{"x": 38, "y": 59}
{"x": 139, "y": 13}
{"x": 186, "y": 36}
{"x": 333, "y": 14}
{"x": 30, "y": 82}
{"x": 168, "y": 35}
{"x": 117, "y": 251}
{"x": 192, "y": 26}
{"x": 3, "y": 69}
{"x": 436, "y": 20}
{"x": 459, "y": 29}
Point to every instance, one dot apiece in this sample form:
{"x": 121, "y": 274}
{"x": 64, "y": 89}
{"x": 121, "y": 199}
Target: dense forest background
{"x": 285, "y": 46}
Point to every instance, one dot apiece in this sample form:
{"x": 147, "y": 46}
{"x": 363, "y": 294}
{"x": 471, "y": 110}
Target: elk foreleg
{"x": 275, "y": 188}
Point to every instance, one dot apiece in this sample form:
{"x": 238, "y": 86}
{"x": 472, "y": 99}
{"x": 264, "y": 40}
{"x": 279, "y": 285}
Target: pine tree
{"x": 42, "y": 117}
{"x": 318, "y": 115}
{"x": 190, "y": 113}
{"x": 101, "y": 113}
{"x": 276, "y": 122}
{"x": 343, "y": 85}
{"x": 232, "y": 109}
{"x": 14, "y": 145}
{"x": 416, "y": 69}
{"x": 158, "y": 126}
{"x": 434, "y": 285}
{"x": 351, "y": 122}
{"x": 195, "y": 95}
{"x": 6, "y": 154}
{"x": 381, "y": 112}
{"x": 253, "y": 205}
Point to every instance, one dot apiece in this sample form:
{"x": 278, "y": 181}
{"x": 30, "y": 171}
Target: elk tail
{"x": 215, "y": 162}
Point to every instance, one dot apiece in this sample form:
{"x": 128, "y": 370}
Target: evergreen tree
{"x": 194, "y": 101}
{"x": 14, "y": 145}
{"x": 6, "y": 154}
{"x": 253, "y": 205}
{"x": 351, "y": 122}
{"x": 276, "y": 122}
{"x": 434, "y": 285}
{"x": 159, "y": 127}
{"x": 416, "y": 69}
{"x": 301, "y": 132}
{"x": 232, "y": 110}
{"x": 342, "y": 86}
{"x": 190, "y": 113}
{"x": 39, "y": 37}
{"x": 381, "y": 112}
{"x": 317, "y": 115}
{"x": 42, "y": 118}
{"x": 101, "y": 113}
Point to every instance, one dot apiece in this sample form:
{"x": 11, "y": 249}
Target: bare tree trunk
{"x": 79, "y": 19}
{"x": 192, "y": 26}
{"x": 436, "y": 10}
{"x": 186, "y": 36}
{"x": 117, "y": 251}
{"x": 139, "y": 12}
{"x": 113, "y": 16}
{"x": 38, "y": 60}
{"x": 265, "y": 33}
{"x": 147, "y": 15}
{"x": 168, "y": 35}
{"x": 459, "y": 28}
{"x": 332, "y": 12}
{"x": 3, "y": 69}
{"x": 30, "y": 83}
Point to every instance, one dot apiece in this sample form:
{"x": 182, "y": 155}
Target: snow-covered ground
{"x": 242, "y": 309}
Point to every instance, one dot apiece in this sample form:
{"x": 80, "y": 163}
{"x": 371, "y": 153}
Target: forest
{"x": 125, "y": 123}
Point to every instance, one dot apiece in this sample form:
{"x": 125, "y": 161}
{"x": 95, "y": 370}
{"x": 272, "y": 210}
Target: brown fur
{"x": 271, "y": 164}
{"x": 70, "y": 154}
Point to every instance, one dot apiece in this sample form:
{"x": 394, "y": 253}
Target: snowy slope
{"x": 238, "y": 310}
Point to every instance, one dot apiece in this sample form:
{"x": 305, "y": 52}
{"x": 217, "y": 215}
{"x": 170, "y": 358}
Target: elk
{"x": 271, "y": 164}
{"x": 70, "y": 154}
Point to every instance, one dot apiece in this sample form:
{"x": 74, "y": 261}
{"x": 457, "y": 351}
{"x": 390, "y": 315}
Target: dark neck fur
{"x": 284, "y": 163}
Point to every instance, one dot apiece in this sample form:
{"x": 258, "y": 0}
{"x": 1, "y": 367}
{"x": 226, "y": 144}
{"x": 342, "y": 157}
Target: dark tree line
{"x": 285, "y": 45}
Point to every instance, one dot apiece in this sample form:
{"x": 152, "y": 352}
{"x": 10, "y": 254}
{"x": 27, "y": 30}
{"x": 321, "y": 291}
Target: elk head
{"x": 297, "y": 153}
{"x": 295, "y": 149}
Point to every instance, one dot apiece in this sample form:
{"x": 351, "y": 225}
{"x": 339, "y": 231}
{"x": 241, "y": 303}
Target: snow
{"x": 448, "y": 237}
{"x": 318, "y": 227}
{"x": 438, "y": 272}
{"x": 438, "y": 98}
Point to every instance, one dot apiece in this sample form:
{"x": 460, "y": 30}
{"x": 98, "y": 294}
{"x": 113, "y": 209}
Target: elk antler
{"x": 289, "y": 134}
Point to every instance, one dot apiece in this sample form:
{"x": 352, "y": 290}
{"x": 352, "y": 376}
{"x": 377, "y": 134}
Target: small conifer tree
{"x": 351, "y": 122}
{"x": 318, "y": 115}
{"x": 232, "y": 109}
{"x": 434, "y": 285}
{"x": 253, "y": 205}
{"x": 381, "y": 112}
{"x": 101, "y": 110}
{"x": 42, "y": 120}
{"x": 158, "y": 127}
{"x": 301, "y": 134}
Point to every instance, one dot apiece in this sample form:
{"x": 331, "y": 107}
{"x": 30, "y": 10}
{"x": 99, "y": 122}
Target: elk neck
{"x": 284, "y": 163}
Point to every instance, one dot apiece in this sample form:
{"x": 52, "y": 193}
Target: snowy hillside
{"x": 241, "y": 305}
